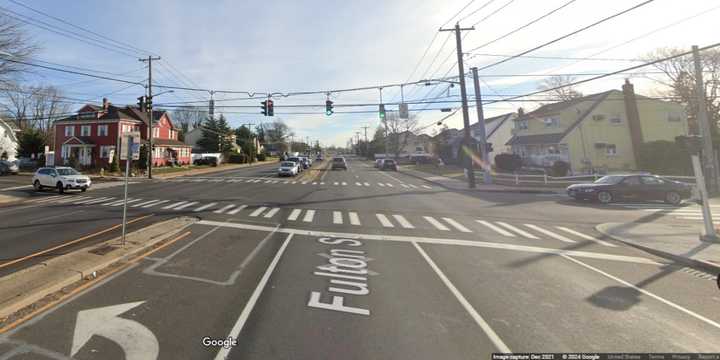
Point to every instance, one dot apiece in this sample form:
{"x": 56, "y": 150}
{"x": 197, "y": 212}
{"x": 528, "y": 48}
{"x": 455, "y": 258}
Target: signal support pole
{"x": 149, "y": 114}
{"x": 367, "y": 156}
{"x": 463, "y": 93}
{"x": 702, "y": 117}
{"x": 487, "y": 177}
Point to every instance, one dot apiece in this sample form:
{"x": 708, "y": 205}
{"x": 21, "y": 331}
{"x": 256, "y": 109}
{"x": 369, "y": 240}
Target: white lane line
{"x": 186, "y": 205}
{"x": 366, "y": 184}
{"x": 499, "y": 344}
{"x": 522, "y": 232}
{"x": 224, "y": 209}
{"x": 456, "y": 225}
{"x": 336, "y": 183}
{"x": 496, "y": 228}
{"x": 344, "y": 183}
{"x": 549, "y": 233}
{"x": 201, "y": 208}
{"x": 586, "y": 237}
{"x": 258, "y": 211}
{"x": 294, "y": 214}
{"x": 690, "y": 217}
{"x": 271, "y": 213}
{"x": 236, "y": 210}
{"x": 381, "y": 184}
{"x": 145, "y": 203}
{"x": 438, "y": 225}
{"x": 354, "y": 219}
{"x": 245, "y": 314}
{"x": 174, "y": 205}
{"x": 389, "y": 184}
{"x": 309, "y": 215}
{"x": 16, "y": 187}
{"x": 384, "y": 220}
{"x": 358, "y": 184}
{"x": 337, "y": 217}
{"x": 427, "y": 187}
{"x": 656, "y": 297}
{"x": 403, "y": 221}
{"x": 405, "y": 186}
{"x": 156, "y": 204}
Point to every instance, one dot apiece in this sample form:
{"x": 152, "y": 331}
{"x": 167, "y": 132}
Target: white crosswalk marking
{"x": 72, "y": 198}
{"x": 258, "y": 211}
{"x": 104, "y": 199}
{"x": 322, "y": 183}
{"x": 129, "y": 202}
{"x": 456, "y": 225}
{"x": 275, "y": 182}
{"x": 389, "y": 184}
{"x": 304, "y": 182}
{"x": 358, "y": 184}
{"x": 145, "y": 203}
{"x": 156, "y": 204}
{"x": 271, "y": 213}
{"x": 186, "y": 205}
{"x": 294, "y": 214}
{"x": 381, "y": 184}
{"x": 236, "y": 210}
{"x": 403, "y": 221}
{"x": 174, "y": 205}
{"x": 437, "y": 224}
{"x": 367, "y": 184}
{"x": 405, "y": 186}
{"x": 84, "y": 201}
{"x": 113, "y": 203}
{"x": 201, "y": 208}
{"x": 224, "y": 209}
{"x": 294, "y": 182}
{"x": 314, "y": 183}
{"x": 413, "y": 186}
{"x": 309, "y": 215}
{"x": 586, "y": 237}
{"x": 496, "y": 228}
{"x": 344, "y": 183}
{"x": 549, "y": 233}
{"x": 337, "y": 217}
{"x": 268, "y": 181}
{"x": 336, "y": 183}
{"x": 354, "y": 219}
{"x": 50, "y": 199}
{"x": 522, "y": 232}
{"x": 384, "y": 220}
{"x": 286, "y": 182}
{"x": 427, "y": 187}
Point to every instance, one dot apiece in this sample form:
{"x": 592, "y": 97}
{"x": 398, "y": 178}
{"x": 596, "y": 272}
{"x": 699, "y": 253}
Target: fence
{"x": 547, "y": 180}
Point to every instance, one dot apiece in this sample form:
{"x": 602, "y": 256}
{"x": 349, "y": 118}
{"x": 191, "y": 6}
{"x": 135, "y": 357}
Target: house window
{"x": 85, "y": 130}
{"x": 69, "y": 130}
{"x": 102, "y": 130}
{"x": 551, "y": 122}
{"x": 64, "y": 151}
{"x": 105, "y": 151}
{"x": 522, "y": 124}
{"x": 156, "y": 132}
{"x": 610, "y": 149}
{"x": 598, "y": 117}
{"x": 616, "y": 119}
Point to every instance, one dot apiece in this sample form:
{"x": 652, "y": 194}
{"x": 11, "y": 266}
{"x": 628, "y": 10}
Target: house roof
{"x": 536, "y": 139}
{"x": 79, "y": 140}
{"x": 119, "y": 113}
{"x": 170, "y": 142}
{"x": 10, "y": 124}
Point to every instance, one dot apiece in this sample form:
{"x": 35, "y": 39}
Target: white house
{"x": 498, "y": 131}
{"x": 8, "y": 140}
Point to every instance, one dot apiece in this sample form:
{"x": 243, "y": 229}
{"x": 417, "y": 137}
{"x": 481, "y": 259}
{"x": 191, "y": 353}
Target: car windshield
{"x": 67, "y": 171}
{"x": 609, "y": 180}
{"x": 294, "y": 159}
{"x": 287, "y": 164}
{"x": 339, "y": 160}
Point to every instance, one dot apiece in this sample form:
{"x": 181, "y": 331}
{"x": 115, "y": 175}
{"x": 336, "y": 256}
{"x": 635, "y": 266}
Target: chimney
{"x": 106, "y": 104}
{"x": 633, "y": 118}
{"x": 521, "y": 112}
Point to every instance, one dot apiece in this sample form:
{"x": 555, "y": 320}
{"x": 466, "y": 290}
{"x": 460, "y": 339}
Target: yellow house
{"x": 598, "y": 132}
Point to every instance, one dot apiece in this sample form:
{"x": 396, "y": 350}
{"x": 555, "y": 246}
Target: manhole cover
{"x": 103, "y": 250}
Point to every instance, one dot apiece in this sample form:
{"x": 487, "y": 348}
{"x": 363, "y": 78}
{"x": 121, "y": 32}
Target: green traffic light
{"x": 328, "y": 112}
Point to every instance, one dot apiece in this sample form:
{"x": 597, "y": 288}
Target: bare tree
{"x": 34, "y": 107}
{"x": 399, "y": 131}
{"x": 15, "y": 45}
{"x": 679, "y": 81}
{"x": 564, "y": 92}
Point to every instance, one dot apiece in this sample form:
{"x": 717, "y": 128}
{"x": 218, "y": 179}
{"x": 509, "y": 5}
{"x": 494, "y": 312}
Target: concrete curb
{"x": 707, "y": 266}
{"x": 516, "y": 191}
{"x": 57, "y": 273}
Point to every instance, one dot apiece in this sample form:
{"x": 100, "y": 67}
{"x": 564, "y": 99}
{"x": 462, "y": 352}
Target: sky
{"x": 321, "y": 46}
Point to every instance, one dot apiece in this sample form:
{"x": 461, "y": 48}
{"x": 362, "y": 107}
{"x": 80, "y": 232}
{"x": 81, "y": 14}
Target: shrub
{"x": 237, "y": 159}
{"x": 559, "y": 168}
{"x": 665, "y": 158}
{"x": 261, "y": 156}
{"x": 114, "y": 167}
{"x": 508, "y": 162}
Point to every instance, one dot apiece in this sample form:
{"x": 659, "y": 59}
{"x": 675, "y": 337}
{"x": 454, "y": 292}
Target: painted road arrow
{"x": 137, "y": 341}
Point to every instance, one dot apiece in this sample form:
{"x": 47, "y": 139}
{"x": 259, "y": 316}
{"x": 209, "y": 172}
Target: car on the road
{"x": 378, "y": 163}
{"x": 304, "y": 162}
{"x": 631, "y": 187}
{"x": 298, "y": 161}
{"x": 288, "y": 168}
{"x": 62, "y": 178}
{"x": 8, "y": 167}
{"x": 389, "y": 164}
{"x": 338, "y": 163}
{"x": 319, "y": 157}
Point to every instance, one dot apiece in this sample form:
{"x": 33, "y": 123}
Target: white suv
{"x": 61, "y": 178}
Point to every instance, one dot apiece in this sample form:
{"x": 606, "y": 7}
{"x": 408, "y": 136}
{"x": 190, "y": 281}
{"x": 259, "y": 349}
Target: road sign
{"x": 404, "y": 113}
{"x": 135, "y": 148}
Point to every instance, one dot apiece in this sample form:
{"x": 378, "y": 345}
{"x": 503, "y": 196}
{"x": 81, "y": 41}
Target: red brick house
{"x": 93, "y": 135}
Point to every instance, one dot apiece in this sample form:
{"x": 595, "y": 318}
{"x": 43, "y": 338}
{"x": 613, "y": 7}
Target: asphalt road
{"x": 358, "y": 264}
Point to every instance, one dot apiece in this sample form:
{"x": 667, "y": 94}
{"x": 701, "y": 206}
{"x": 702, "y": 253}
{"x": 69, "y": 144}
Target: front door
{"x": 85, "y": 156}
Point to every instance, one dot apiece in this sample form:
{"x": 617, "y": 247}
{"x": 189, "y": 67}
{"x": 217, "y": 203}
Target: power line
{"x": 71, "y": 71}
{"x": 458, "y": 13}
{"x": 494, "y": 12}
{"x": 475, "y": 11}
{"x": 569, "y": 34}
{"x": 554, "y": 57}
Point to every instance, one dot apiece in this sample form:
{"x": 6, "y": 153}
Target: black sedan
{"x": 631, "y": 187}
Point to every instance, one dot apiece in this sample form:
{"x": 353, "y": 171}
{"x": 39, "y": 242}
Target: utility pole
{"x": 148, "y": 107}
{"x": 463, "y": 94}
{"x": 211, "y": 105}
{"x": 704, "y": 124}
{"x": 387, "y": 133}
{"x": 367, "y": 155}
{"x": 487, "y": 177}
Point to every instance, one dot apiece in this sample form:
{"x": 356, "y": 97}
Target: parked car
{"x": 338, "y": 163}
{"x": 210, "y": 160}
{"x": 389, "y": 164}
{"x": 298, "y": 161}
{"x": 288, "y": 168}
{"x": 26, "y": 163}
{"x": 62, "y": 178}
{"x": 631, "y": 187}
{"x": 378, "y": 163}
{"x": 8, "y": 167}
{"x": 319, "y": 157}
{"x": 304, "y": 162}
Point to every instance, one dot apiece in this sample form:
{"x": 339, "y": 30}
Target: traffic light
{"x": 382, "y": 112}
{"x": 270, "y": 108}
{"x": 148, "y": 103}
{"x": 264, "y": 107}
{"x": 328, "y": 108}
{"x": 141, "y": 103}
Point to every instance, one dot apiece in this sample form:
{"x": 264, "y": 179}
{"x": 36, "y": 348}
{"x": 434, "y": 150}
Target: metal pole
{"x": 466, "y": 116}
{"x": 704, "y": 124}
{"x": 148, "y": 108}
{"x": 127, "y": 173}
{"x": 387, "y": 133}
{"x": 702, "y": 190}
{"x": 487, "y": 176}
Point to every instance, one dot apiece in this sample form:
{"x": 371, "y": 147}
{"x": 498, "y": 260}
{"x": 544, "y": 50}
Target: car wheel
{"x": 605, "y": 197}
{"x": 61, "y": 189}
{"x": 83, "y": 189}
{"x": 37, "y": 185}
{"x": 673, "y": 198}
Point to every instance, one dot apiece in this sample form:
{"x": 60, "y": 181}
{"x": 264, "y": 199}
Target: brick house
{"x": 93, "y": 135}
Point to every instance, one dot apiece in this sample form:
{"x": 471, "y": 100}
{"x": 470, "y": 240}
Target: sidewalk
{"x": 172, "y": 174}
{"x": 680, "y": 243}
{"x": 462, "y": 185}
